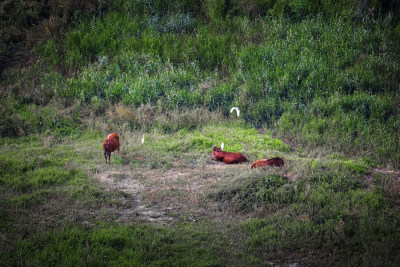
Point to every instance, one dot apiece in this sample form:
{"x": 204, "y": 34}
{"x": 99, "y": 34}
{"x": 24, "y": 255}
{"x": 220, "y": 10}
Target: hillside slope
{"x": 320, "y": 75}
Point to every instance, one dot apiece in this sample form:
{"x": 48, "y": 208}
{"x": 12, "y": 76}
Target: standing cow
{"x": 110, "y": 145}
{"x": 228, "y": 157}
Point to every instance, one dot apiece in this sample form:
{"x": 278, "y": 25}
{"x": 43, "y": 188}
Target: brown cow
{"x": 228, "y": 157}
{"x": 110, "y": 145}
{"x": 274, "y": 162}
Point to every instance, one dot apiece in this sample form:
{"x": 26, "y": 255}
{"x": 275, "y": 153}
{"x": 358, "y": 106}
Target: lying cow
{"x": 110, "y": 145}
{"x": 228, "y": 157}
{"x": 274, "y": 162}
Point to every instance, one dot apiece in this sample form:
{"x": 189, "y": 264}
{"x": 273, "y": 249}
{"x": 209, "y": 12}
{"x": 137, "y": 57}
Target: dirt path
{"x": 396, "y": 173}
{"x": 133, "y": 207}
{"x": 392, "y": 184}
{"x": 163, "y": 196}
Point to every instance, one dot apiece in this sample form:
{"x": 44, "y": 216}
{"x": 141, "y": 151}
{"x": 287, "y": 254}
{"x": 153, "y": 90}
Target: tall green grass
{"x": 289, "y": 62}
{"x": 360, "y": 124}
{"x": 278, "y": 68}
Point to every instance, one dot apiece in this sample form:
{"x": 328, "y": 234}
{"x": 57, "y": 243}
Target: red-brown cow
{"x": 110, "y": 145}
{"x": 228, "y": 157}
{"x": 274, "y": 162}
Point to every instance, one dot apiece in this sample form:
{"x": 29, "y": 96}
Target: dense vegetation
{"x": 322, "y": 75}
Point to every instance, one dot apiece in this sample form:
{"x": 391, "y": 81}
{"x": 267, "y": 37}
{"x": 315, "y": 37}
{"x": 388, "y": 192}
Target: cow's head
{"x": 216, "y": 150}
{"x": 106, "y": 148}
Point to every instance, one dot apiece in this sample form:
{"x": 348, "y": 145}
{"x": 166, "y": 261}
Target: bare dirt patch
{"x": 388, "y": 179}
{"x": 395, "y": 172}
{"x": 133, "y": 208}
{"x": 163, "y": 195}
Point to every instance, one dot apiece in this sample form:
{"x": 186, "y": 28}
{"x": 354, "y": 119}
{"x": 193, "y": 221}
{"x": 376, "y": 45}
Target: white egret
{"x": 237, "y": 110}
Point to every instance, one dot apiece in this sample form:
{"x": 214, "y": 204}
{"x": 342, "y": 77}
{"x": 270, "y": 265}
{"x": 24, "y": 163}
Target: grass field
{"x": 166, "y": 202}
{"x": 316, "y": 82}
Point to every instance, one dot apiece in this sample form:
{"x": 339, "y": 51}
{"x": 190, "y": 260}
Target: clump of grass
{"x": 255, "y": 193}
{"x": 29, "y": 200}
{"x": 189, "y": 119}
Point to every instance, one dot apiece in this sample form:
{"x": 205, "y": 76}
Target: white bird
{"x": 237, "y": 110}
{"x": 143, "y": 139}
{"x": 222, "y": 146}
